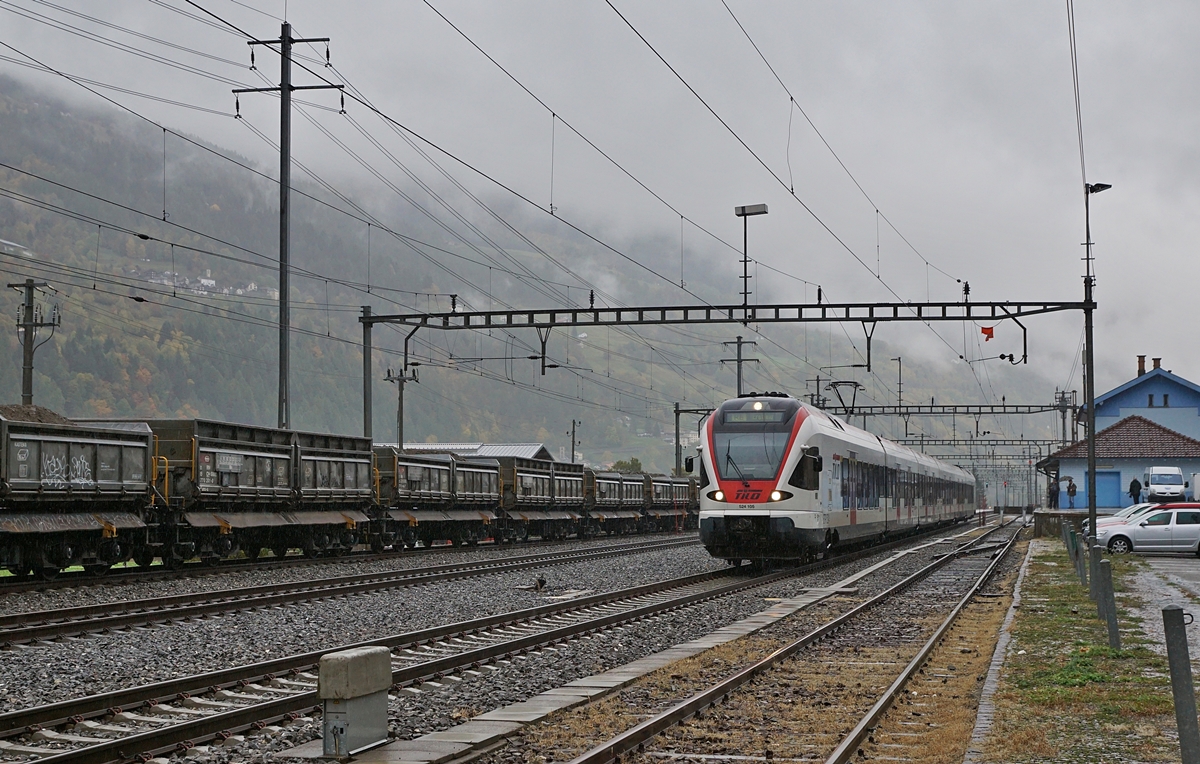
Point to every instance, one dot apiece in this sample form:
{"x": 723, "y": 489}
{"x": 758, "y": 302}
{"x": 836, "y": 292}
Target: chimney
{"x": 1141, "y": 365}
{"x": 1157, "y": 362}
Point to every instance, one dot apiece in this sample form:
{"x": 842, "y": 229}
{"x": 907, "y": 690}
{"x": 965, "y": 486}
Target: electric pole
{"x": 400, "y": 379}
{"x": 739, "y": 360}
{"x": 29, "y": 322}
{"x": 574, "y": 423}
{"x": 285, "y": 43}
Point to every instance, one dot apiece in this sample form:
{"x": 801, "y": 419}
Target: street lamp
{"x": 1089, "y": 384}
{"x": 744, "y": 212}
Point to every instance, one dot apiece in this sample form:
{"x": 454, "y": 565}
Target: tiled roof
{"x": 1135, "y": 437}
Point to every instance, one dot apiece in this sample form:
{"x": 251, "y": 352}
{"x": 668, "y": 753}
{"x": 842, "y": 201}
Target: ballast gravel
{"x": 47, "y": 673}
{"x": 125, "y": 588}
{"x": 415, "y": 714}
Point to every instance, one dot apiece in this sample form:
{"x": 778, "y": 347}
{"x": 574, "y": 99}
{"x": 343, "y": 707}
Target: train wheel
{"x": 280, "y": 552}
{"x": 210, "y": 561}
{"x": 252, "y": 552}
{"x": 143, "y": 556}
{"x": 96, "y": 569}
{"x": 48, "y": 572}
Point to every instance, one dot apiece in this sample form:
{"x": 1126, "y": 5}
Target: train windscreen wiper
{"x": 729, "y": 460}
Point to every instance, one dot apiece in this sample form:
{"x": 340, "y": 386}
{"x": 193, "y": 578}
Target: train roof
{"x": 494, "y": 450}
{"x": 858, "y": 438}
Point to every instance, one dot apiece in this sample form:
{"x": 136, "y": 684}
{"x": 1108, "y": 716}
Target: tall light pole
{"x": 1089, "y": 366}
{"x": 744, "y": 212}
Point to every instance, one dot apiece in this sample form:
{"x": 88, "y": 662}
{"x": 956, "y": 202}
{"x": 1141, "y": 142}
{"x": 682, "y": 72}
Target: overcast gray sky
{"x": 957, "y": 119}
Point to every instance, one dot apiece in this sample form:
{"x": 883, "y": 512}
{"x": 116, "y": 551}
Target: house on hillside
{"x": 1151, "y": 420}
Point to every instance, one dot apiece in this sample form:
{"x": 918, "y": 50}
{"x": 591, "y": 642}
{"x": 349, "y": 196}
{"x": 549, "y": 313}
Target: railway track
{"x": 22, "y": 628}
{"x": 74, "y": 579}
{"x": 797, "y": 702}
{"x": 173, "y": 715}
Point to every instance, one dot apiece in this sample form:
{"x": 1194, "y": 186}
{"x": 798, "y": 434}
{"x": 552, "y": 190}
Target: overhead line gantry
{"x": 544, "y": 321}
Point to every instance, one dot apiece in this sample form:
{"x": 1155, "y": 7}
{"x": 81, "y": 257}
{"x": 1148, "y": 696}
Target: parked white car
{"x": 1124, "y": 516}
{"x": 1168, "y": 528}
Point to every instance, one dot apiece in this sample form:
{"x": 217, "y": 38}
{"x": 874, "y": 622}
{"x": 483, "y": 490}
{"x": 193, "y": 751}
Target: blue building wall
{"x": 1120, "y": 470}
{"x": 1181, "y": 414}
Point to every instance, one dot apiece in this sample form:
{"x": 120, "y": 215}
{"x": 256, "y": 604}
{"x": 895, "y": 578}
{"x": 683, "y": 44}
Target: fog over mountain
{"x": 957, "y": 123}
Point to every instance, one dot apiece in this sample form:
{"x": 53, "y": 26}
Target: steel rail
{"x": 631, "y": 739}
{"x": 17, "y": 628}
{"x": 849, "y": 745}
{"x": 18, "y": 584}
{"x": 168, "y": 737}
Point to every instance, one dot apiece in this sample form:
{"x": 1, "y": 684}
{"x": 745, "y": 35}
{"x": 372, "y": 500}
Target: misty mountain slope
{"x": 150, "y": 329}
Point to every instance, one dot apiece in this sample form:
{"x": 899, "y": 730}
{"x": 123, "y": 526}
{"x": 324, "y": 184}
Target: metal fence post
{"x": 1108, "y": 602}
{"x": 1174, "y": 624}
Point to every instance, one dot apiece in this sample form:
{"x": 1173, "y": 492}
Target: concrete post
{"x": 1093, "y": 567}
{"x": 353, "y": 686}
{"x": 1181, "y": 682}
{"x": 1107, "y": 602}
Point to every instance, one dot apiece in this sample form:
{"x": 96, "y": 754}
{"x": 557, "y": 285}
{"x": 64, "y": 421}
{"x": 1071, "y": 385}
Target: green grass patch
{"x": 1062, "y": 681}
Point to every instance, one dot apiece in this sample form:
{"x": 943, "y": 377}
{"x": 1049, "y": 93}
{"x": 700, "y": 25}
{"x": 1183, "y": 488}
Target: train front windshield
{"x": 750, "y": 438}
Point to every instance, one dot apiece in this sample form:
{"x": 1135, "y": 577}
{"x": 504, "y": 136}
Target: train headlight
{"x": 718, "y": 496}
{"x": 776, "y": 495}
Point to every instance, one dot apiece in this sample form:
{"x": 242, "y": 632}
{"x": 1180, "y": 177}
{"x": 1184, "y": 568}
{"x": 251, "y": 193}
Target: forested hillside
{"x": 183, "y": 322}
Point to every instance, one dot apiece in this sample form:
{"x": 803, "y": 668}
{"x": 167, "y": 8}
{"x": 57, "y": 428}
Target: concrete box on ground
{"x": 353, "y": 686}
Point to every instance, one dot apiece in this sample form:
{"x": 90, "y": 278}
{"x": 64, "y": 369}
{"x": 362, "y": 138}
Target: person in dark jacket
{"x": 1071, "y": 491}
{"x": 1135, "y": 490}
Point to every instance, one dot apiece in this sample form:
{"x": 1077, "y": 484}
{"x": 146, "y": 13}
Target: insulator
{"x": 327, "y": 55}
{"x": 252, "y": 66}
{"x": 453, "y": 303}
{"x": 343, "y": 111}
{"x": 591, "y": 298}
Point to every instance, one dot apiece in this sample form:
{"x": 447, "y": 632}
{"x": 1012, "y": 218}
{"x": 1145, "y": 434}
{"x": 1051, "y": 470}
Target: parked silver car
{"x": 1169, "y": 528}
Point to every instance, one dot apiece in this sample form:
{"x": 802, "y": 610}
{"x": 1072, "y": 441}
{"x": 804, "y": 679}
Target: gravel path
{"x": 125, "y": 590}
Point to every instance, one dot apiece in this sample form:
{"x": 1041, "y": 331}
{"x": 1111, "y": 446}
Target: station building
{"x": 1153, "y": 420}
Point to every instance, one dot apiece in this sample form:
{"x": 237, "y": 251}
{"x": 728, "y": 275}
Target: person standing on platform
{"x": 1071, "y": 491}
{"x": 1135, "y": 490}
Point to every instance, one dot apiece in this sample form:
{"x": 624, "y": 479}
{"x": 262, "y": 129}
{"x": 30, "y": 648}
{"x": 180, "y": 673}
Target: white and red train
{"x": 782, "y": 480}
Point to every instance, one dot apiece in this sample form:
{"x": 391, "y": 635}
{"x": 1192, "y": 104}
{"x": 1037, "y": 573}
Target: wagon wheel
{"x": 96, "y": 569}
{"x": 143, "y": 556}
{"x": 280, "y": 552}
{"x": 48, "y": 573}
{"x": 252, "y": 552}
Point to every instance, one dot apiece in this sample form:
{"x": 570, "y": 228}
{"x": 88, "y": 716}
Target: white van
{"x": 1162, "y": 484}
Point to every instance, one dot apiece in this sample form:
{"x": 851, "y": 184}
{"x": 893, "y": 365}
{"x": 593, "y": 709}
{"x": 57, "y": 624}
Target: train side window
{"x": 807, "y": 476}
